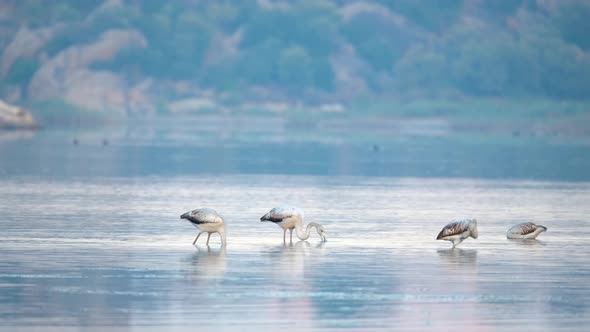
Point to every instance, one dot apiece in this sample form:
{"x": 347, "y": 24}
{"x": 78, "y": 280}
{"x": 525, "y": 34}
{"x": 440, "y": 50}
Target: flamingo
{"x": 526, "y": 230}
{"x": 289, "y": 218}
{"x": 207, "y": 221}
{"x": 458, "y": 230}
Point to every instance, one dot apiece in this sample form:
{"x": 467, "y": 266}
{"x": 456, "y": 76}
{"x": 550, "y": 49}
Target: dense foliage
{"x": 517, "y": 48}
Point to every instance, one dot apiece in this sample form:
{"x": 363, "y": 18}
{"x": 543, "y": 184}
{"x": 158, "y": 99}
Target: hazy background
{"x": 383, "y": 120}
{"x": 520, "y": 61}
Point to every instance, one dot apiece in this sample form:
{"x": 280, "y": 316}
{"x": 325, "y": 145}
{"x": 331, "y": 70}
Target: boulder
{"x": 14, "y": 117}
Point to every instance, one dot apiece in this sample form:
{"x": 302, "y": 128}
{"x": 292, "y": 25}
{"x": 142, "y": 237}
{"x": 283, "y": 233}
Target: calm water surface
{"x": 91, "y": 237}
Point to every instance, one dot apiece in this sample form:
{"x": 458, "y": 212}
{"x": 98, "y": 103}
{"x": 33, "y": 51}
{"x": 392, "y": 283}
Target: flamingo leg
{"x": 285, "y": 236}
{"x": 291, "y": 230}
{"x": 208, "y": 237}
{"x": 195, "y": 241}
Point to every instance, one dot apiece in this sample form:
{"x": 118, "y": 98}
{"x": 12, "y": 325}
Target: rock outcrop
{"x": 26, "y": 43}
{"x": 69, "y": 76}
{"x": 13, "y": 117}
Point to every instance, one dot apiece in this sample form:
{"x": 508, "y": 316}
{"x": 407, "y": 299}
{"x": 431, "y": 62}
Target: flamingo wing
{"x": 203, "y": 216}
{"x": 524, "y": 228}
{"x": 281, "y": 213}
{"x": 453, "y": 228}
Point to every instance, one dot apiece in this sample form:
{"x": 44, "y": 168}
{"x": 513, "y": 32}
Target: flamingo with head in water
{"x": 526, "y": 230}
{"x": 207, "y": 221}
{"x": 291, "y": 218}
{"x": 458, "y": 230}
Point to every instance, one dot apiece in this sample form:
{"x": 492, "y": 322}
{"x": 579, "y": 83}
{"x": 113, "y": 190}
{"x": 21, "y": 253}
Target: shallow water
{"x": 98, "y": 243}
{"x": 113, "y": 252}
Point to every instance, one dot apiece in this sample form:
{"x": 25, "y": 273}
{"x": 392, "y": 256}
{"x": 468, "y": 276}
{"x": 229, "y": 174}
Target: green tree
{"x": 83, "y": 32}
{"x": 502, "y": 7}
{"x": 564, "y": 74}
{"x": 435, "y": 15}
{"x": 294, "y": 68}
{"x": 323, "y": 75}
{"x": 177, "y": 45}
{"x": 573, "y": 21}
{"x": 311, "y": 25}
{"x": 258, "y": 65}
{"x": 225, "y": 14}
{"x": 422, "y": 69}
{"x": 22, "y": 71}
{"x": 376, "y": 40}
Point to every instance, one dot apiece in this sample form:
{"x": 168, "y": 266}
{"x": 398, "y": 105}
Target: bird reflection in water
{"x": 208, "y": 262}
{"x": 291, "y": 276}
{"x": 458, "y": 256}
{"x": 527, "y": 242}
{"x": 291, "y": 258}
{"x": 300, "y": 245}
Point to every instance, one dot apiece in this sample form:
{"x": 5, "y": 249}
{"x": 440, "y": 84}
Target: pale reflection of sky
{"x": 197, "y": 146}
{"x": 112, "y": 252}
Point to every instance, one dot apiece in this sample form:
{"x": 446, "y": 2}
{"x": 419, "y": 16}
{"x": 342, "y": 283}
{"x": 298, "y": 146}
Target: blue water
{"x": 91, "y": 235}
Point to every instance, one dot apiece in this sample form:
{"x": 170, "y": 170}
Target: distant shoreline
{"x": 498, "y": 116}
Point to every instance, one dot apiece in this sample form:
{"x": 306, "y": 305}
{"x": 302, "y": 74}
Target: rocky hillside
{"x": 133, "y": 56}
{"x": 13, "y": 117}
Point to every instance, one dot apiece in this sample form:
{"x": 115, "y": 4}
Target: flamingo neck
{"x": 223, "y": 236}
{"x": 304, "y": 235}
{"x": 539, "y": 231}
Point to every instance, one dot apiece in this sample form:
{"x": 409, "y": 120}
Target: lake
{"x": 92, "y": 238}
